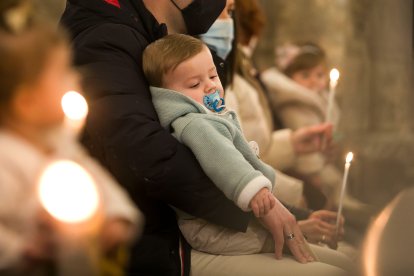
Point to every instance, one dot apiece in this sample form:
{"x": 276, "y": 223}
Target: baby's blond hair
{"x": 165, "y": 54}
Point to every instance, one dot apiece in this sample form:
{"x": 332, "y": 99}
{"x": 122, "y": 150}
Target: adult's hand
{"x": 116, "y": 232}
{"x": 312, "y": 138}
{"x": 320, "y": 228}
{"x": 285, "y": 231}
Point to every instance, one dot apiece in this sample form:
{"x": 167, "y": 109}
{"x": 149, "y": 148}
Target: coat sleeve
{"x": 212, "y": 144}
{"x": 124, "y": 133}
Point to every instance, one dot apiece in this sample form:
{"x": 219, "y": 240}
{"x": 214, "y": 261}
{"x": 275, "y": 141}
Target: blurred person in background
{"x": 32, "y": 82}
{"x": 250, "y": 98}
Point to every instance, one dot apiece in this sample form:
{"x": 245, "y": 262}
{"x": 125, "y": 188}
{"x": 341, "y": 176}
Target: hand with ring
{"x": 285, "y": 231}
{"x": 291, "y": 236}
{"x": 320, "y": 228}
{"x": 312, "y": 138}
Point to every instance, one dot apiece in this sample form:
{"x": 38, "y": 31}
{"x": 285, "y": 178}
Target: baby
{"x": 188, "y": 97}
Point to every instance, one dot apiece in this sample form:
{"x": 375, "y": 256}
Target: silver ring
{"x": 290, "y": 236}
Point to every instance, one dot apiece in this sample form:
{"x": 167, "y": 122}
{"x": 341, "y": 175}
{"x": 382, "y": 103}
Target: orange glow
{"x": 371, "y": 246}
{"x": 74, "y": 106}
{"x": 68, "y": 192}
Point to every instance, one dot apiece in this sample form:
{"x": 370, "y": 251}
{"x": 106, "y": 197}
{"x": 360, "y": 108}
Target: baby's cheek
{"x": 220, "y": 88}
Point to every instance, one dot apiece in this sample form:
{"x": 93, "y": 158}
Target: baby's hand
{"x": 262, "y": 202}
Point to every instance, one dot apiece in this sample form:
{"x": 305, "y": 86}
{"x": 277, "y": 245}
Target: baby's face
{"x": 195, "y": 77}
{"x": 315, "y": 79}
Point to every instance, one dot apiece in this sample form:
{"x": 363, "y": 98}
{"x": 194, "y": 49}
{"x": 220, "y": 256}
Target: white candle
{"x": 75, "y": 108}
{"x": 348, "y": 160}
{"x": 333, "y": 76}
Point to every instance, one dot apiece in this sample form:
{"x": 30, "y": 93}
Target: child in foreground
{"x": 35, "y": 73}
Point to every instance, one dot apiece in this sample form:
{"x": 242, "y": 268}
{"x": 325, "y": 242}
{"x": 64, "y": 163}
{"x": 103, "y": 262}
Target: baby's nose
{"x": 212, "y": 87}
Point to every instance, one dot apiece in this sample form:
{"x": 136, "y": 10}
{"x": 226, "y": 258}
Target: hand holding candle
{"x": 349, "y": 157}
{"x": 333, "y": 76}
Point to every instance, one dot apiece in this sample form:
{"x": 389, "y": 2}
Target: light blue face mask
{"x": 214, "y": 102}
{"x": 220, "y": 37}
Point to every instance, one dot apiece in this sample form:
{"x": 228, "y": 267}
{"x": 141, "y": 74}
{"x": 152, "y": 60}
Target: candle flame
{"x": 349, "y": 157}
{"x": 334, "y": 75}
{"x": 68, "y": 192}
{"x": 74, "y": 106}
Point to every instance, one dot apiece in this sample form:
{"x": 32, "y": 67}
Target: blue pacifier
{"x": 214, "y": 102}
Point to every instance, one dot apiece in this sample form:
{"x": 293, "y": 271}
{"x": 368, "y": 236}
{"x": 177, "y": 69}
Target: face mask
{"x": 214, "y": 102}
{"x": 201, "y": 14}
{"x": 220, "y": 37}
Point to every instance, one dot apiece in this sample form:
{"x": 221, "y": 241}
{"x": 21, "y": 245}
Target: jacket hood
{"x": 284, "y": 91}
{"x": 80, "y": 15}
{"x": 171, "y": 105}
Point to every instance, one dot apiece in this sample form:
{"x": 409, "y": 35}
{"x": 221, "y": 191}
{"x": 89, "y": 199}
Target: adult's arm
{"x": 123, "y": 130}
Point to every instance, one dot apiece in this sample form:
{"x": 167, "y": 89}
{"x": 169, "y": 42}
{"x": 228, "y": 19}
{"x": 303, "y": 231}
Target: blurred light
{"x": 349, "y": 157}
{"x": 371, "y": 246}
{"x": 68, "y": 192}
{"x": 334, "y": 75}
{"x": 74, "y": 106}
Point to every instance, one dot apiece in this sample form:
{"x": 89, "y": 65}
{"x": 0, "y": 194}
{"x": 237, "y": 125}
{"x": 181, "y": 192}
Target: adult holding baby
{"x": 124, "y": 133}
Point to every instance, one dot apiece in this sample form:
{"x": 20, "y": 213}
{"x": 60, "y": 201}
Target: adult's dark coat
{"x": 123, "y": 131}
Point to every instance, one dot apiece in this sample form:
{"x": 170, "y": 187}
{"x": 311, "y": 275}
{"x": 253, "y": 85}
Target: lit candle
{"x": 333, "y": 76}
{"x": 68, "y": 192}
{"x": 348, "y": 160}
{"x": 70, "y": 195}
{"x": 75, "y": 108}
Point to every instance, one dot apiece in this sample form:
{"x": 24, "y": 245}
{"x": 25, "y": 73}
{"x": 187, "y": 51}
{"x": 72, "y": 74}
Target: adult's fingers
{"x": 304, "y": 246}
{"x": 324, "y": 129}
{"x": 325, "y": 215}
{"x": 279, "y": 240}
{"x": 330, "y": 216}
{"x": 322, "y": 225}
{"x": 295, "y": 240}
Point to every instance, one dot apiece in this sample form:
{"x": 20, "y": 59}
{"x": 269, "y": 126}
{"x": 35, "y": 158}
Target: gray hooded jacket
{"x": 218, "y": 144}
